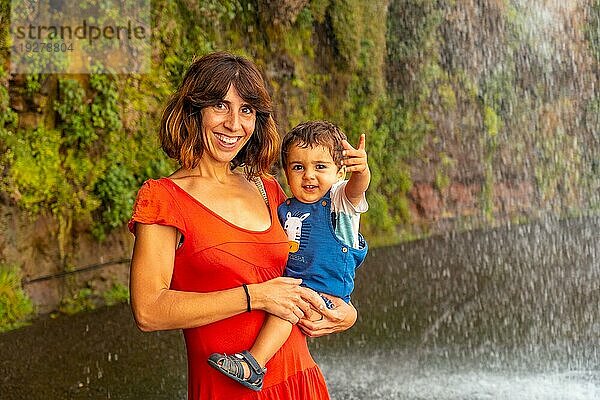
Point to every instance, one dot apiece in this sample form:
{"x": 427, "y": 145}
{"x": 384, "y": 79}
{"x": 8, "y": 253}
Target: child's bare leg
{"x": 248, "y": 367}
{"x": 272, "y": 336}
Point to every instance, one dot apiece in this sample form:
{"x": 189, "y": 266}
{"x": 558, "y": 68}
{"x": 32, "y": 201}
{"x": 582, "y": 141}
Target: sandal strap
{"x": 232, "y": 366}
{"x": 252, "y": 363}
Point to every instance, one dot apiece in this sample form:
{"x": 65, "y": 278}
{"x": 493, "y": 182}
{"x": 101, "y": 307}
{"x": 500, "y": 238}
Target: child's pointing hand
{"x": 355, "y": 159}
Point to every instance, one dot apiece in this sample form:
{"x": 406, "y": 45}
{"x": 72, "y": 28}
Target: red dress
{"x": 217, "y": 255}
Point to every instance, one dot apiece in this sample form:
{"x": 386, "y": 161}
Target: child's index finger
{"x": 362, "y": 141}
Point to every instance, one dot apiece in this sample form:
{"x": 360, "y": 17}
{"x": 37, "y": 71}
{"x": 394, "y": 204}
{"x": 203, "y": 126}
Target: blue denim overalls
{"x": 317, "y": 255}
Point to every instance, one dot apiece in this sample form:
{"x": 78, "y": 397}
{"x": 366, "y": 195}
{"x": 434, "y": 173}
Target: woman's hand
{"x": 283, "y": 297}
{"x": 342, "y": 317}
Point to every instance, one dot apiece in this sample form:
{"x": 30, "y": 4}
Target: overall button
{"x": 324, "y": 203}
{"x": 344, "y": 249}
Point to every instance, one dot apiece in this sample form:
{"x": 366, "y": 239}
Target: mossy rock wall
{"x": 477, "y": 113}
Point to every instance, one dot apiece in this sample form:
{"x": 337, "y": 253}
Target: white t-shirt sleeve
{"x": 347, "y": 215}
{"x": 340, "y": 202}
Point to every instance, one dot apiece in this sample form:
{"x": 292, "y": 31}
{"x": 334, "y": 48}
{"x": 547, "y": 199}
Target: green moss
{"x": 117, "y": 293}
{"x": 318, "y": 9}
{"x": 492, "y": 125}
{"x": 35, "y": 168}
{"x": 297, "y": 42}
{"x": 388, "y": 79}
{"x": 442, "y": 176}
{"x": 345, "y": 19}
{"x": 592, "y": 29}
{"x": 491, "y": 122}
{"x": 16, "y": 307}
{"x": 81, "y": 300}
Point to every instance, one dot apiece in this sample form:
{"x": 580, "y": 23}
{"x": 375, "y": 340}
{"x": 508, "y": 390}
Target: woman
{"x": 209, "y": 251}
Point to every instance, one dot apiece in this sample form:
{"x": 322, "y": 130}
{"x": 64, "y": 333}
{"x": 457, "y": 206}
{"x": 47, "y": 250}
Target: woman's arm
{"x": 156, "y": 307}
{"x": 342, "y": 317}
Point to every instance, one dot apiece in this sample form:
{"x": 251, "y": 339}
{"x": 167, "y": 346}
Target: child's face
{"x": 311, "y": 172}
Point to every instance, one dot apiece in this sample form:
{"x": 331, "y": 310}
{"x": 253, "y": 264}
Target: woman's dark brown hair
{"x": 205, "y": 84}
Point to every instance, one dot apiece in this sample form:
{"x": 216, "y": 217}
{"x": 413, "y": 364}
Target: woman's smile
{"x": 228, "y": 141}
{"x": 227, "y": 126}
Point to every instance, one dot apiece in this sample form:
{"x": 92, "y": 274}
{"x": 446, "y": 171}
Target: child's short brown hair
{"x": 314, "y": 133}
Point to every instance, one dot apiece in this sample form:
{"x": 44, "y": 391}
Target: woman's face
{"x": 227, "y": 126}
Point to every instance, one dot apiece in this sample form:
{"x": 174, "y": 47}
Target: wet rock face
{"x": 280, "y": 12}
{"x": 511, "y": 92}
{"x": 33, "y": 245}
{"x": 430, "y": 204}
{"x": 513, "y": 131}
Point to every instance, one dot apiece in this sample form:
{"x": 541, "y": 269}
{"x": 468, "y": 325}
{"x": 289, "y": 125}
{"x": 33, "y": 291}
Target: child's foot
{"x": 241, "y": 367}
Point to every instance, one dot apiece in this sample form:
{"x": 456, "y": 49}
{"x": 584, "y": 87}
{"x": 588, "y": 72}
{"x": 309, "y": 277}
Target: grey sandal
{"x": 233, "y": 367}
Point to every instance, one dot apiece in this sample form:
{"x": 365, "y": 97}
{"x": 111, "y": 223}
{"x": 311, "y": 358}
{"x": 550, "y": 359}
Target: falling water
{"x": 507, "y": 313}
{"x": 510, "y": 312}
